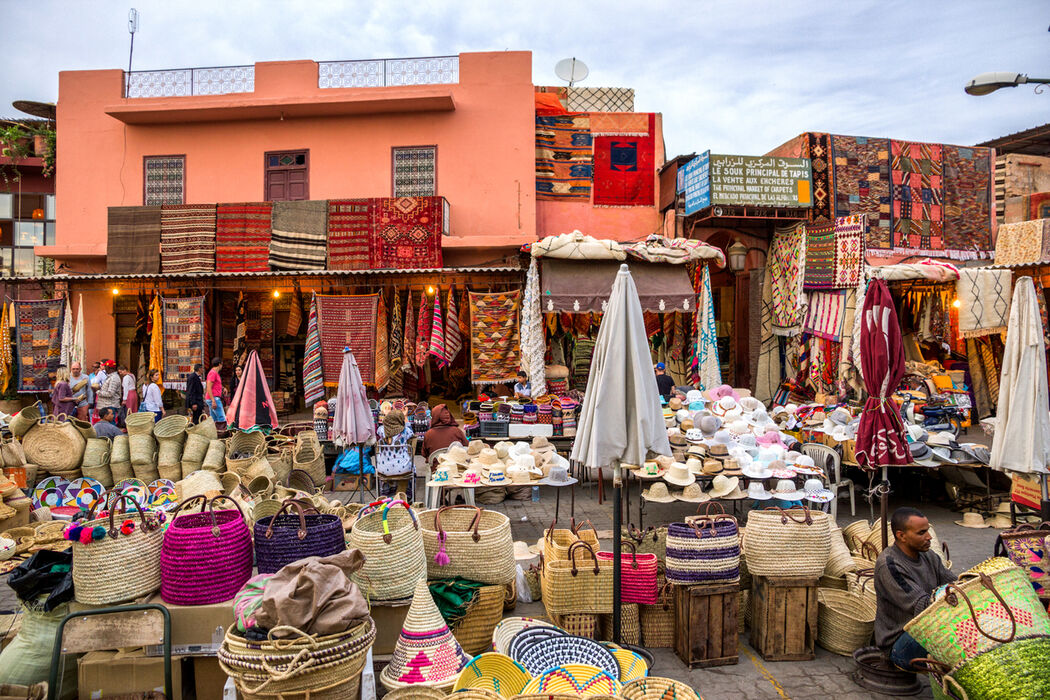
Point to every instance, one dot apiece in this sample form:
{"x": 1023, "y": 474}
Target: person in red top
{"x": 443, "y": 431}
{"x": 213, "y": 393}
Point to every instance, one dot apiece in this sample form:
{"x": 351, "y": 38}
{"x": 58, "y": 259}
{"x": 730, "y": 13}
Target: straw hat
{"x": 526, "y": 463}
{"x": 664, "y": 461}
{"x": 426, "y": 653}
{"x": 692, "y": 494}
{"x": 486, "y": 459}
{"x": 675, "y": 404}
{"x": 497, "y": 476}
{"x": 787, "y": 491}
{"x": 458, "y": 455}
{"x": 658, "y": 493}
{"x": 999, "y": 521}
{"x": 712, "y": 466}
{"x": 756, "y": 470}
{"x": 502, "y": 449}
{"x": 756, "y": 491}
{"x": 815, "y": 491}
{"x": 973, "y": 520}
{"x": 559, "y": 476}
{"x": 722, "y": 485}
{"x": 695, "y": 465}
{"x": 709, "y": 425}
{"x": 650, "y": 470}
{"x": 677, "y": 439}
{"x": 719, "y": 449}
{"x": 731, "y": 467}
{"x": 519, "y": 476}
{"x": 687, "y": 425}
{"x": 521, "y": 551}
{"x": 734, "y": 495}
{"x": 700, "y": 450}
{"x": 679, "y": 475}
{"x": 475, "y": 447}
{"x": 541, "y": 444}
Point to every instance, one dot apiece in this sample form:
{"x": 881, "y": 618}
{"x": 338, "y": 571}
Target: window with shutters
{"x": 415, "y": 171}
{"x": 287, "y": 175}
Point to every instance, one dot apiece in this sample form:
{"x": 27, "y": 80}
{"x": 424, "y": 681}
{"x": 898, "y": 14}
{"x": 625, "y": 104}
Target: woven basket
{"x": 25, "y": 419}
{"x": 239, "y": 465}
{"x": 794, "y": 542}
{"x": 285, "y": 537}
{"x": 206, "y": 557}
{"x": 171, "y": 427}
{"x": 583, "y": 584}
{"x": 101, "y": 473}
{"x": 245, "y": 442}
{"x": 259, "y": 467}
{"x": 96, "y": 452}
{"x": 854, "y": 533}
{"x": 416, "y": 693}
{"x": 840, "y": 559}
{"x": 169, "y": 451}
{"x": 205, "y": 428}
{"x": 142, "y": 448}
{"x": 266, "y": 508}
{"x": 195, "y": 448}
{"x": 862, "y": 582}
{"x": 56, "y": 446}
{"x": 280, "y": 459}
{"x": 656, "y": 688}
{"x": 638, "y": 573}
{"x": 704, "y": 549}
{"x": 839, "y": 583}
{"x": 215, "y": 457}
{"x": 198, "y": 483}
{"x": 120, "y": 451}
{"x": 1015, "y": 670}
{"x": 171, "y": 472}
{"x": 118, "y": 567}
{"x": 140, "y": 423}
{"x": 474, "y": 630}
{"x": 147, "y": 473}
{"x": 1025, "y": 545}
{"x": 579, "y": 624}
{"x": 83, "y": 427}
{"x": 1000, "y": 606}
{"x": 653, "y": 540}
{"x": 657, "y": 621}
{"x": 506, "y": 628}
{"x": 630, "y": 626}
{"x": 476, "y": 544}
{"x": 845, "y": 621}
{"x": 308, "y": 457}
{"x": 388, "y": 535}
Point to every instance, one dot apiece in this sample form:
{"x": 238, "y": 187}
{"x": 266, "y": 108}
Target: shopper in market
{"x": 105, "y": 427}
{"x": 394, "y": 431}
{"x": 110, "y": 390}
{"x": 80, "y": 383}
{"x": 152, "y": 399}
{"x": 664, "y": 383}
{"x": 130, "y": 398}
{"x": 62, "y": 403}
{"x": 213, "y": 393}
{"x": 195, "y": 392}
{"x": 907, "y": 576}
{"x": 444, "y": 430}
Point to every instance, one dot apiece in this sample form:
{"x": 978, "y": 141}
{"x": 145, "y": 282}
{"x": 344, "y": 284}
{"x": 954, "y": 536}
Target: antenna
{"x": 133, "y": 26}
{"x": 571, "y": 69}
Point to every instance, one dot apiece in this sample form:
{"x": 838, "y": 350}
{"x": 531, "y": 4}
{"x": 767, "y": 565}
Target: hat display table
{"x": 784, "y": 617}
{"x": 705, "y": 625}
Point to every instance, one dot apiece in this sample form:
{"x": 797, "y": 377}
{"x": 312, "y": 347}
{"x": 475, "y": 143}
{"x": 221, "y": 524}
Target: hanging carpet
{"x": 984, "y": 301}
{"x": 299, "y": 237}
{"x": 564, "y": 166}
{"x": 187, "y": 238}
{"x": 624, "y": 169}
{"x": 351, "y": 321}
{"x": 242, "y": 237}
{"x": 184, "y": 326}
{"x": 495, "y": 354}
{"x": 133, "y": 245}
{"x": 825, "y": 315}
{"x": 349, "y": 234}
{"x": 407, "y": 233}
{"x": 313, "y": 376}
{"x": 38, "y": 341}
{"x": 787, "y": 260}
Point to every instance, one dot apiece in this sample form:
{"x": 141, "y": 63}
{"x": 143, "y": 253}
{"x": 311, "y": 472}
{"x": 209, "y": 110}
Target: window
{"x": 163, "y": 180}
{"x": 7, "y": 202}
{"x": 415, "y": 171}
{"x": 286, "y": 176}
{"x": 27, "y": 220}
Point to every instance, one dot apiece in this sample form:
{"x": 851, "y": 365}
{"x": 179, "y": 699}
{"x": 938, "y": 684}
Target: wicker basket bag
{"x": 25, "y": 419}
{"x": 169, "y": 458}
{"x": 308, "y": 456}
{"x": 288, "y": 537}
{"x": 56, "y": 446}
{"x": 657, "y": 621}
{"x": 140, "y": 423}
{"x": 473, "y": 631}
{"x": 205, "y": 427}
{"x": 704, "y": 549}
{"x": 845, "y": 621}
{"x": 388, "y": 535}
{"x": 1025, "y": 545}
{"x": 583, "y": 584}
{"x": 215, "y": 457}
{"x": 96, "y": 463}
{"x": 122, "y": 564}
{"x": 280, "y": 458}
{"x": 470, "y": 542}
{"x": 172, "y": 427}
{"x": 794, "y": 542}
{"x": 195, "y": 448}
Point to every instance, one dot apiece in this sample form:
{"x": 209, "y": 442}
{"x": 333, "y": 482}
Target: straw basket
{"x": 245, "y": 443}
{"x": 259, "y": 467}
{"x": 215, "y": 457}
{"x": 119, "y": 471}
{"x": 839, "y": 558}
{"x": 845, "y": 621}
{"x": 388, "y": 535}
{"x": 657, "y": 621}
{"x": 509, "y": 626}
{"x": 417, "y": 693}
{"x": 630, "y": 627}
{"x": 308, "y": 456}
{"x": 316, "y": 667}
{"x": 171, "y": 427}
{"x": 206, "y": 557}
{"x": 1001, "y": 607}
{"x": 638, "y": 574}
{"x": 1025, "y": 545}
{"x": 792, "y": 542}
{"x": 653, "y": 540}
{"x": 83, "y": 427}
{"x": 474, "y": 630}
{"x": 96, "y": 452}
{"x": 198, "y": 483}
{"x": 102, "y": 473}
{"x": 147, "y": 473}
{"x": 169, "y": 459}
{"x": 140, "y": 423}
{"x": 142, "y": 449}
{"x": 579, "y": 624}
{"x": 25, "y": 419}
{"x": 656, "y": 688}
{"x": 470, "y": 542}
{"x": 1014, "y": 670}
{"x": 239, "y": 465}
{"x": 56, "y": 446}
{"x": 195, "y": 448}
{"x": 583, "y": 584}
{"x": 118, "y": 567}
{"x": 854, "y": 533}
{"x": 285, "y": 537}
{"x": 703, "y": 549}
{"x": 280, "y": 459}
{"x": 120, "y": 450}
{"x": 205, "y": 428}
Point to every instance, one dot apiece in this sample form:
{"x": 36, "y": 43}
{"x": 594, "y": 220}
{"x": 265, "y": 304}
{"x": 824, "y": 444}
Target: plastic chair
{"x": 430, "y": 462}
{"x": 129, "y": 626}
{"x": 394, "y": 455}
{"x": 829, "y": 459}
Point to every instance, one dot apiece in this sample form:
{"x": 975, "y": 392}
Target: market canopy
{"x": 585, "y": 285}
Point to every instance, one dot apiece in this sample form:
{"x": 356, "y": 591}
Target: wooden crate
{"x": 783, "y": 617}
{"x": 706, "y": 629}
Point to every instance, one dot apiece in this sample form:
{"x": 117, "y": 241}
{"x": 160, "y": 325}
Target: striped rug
{"x": 187, "y": 238}
{"x": 133, "y": 244}
{"x": 242, "y": 237}
{"x": 299, "y": 236}
{"x": 350, "y": 234}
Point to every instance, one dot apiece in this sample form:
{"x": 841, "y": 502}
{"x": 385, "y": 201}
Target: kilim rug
{"x": 133, "y": 246}
{"x": 183, "y": 338}
{"x": 849, "y": 250}
{"x": 382, "y": 351}
{"x": 861, "y": 180}
{"x": 824, "y": 318}
{"x": 38, "y": 342}
{"x": 967, "y": 201}
{"x": 984, "y": 301}
{"x": 1021, "y": 243}
{"x": 313, "y": 376}
{"x": 242, "y": 240}
{"x": 187, "y": 238}
{"x": 423, "y": 320}
{"x": 582, "y": 99}
{"x": 299, "y": 236}
{"x": 624, "y": 169}
{"x": 348, "y": 321}
{"x": 1039, "y": 205}
{"x": 819, "y": 155}
{"x": 453, "y": 336}
{"x": 708, "y": 368}
{"x": 350, "y": 234}
{"x": 917, "y": 196}
{"x": 408, "y": 351}
{"x": 582, "y": 352}
{"x": 494, "y": 352}
{"x": 406, "y": 233}
{"x": 787, "y": 259}
{"x": 564, "y": 168}
{"x": 820, "y": 255}
{"x": 436, "y": 346}
{"x": 397, "y": 336}
{"x": 619, "y": 124}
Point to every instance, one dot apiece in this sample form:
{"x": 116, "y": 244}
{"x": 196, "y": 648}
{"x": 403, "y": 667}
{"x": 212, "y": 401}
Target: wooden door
{"x": 287, "y": 176}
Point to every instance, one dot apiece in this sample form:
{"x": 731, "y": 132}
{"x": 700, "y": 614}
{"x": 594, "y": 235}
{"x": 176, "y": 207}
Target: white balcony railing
{"x": 388, "y": 72}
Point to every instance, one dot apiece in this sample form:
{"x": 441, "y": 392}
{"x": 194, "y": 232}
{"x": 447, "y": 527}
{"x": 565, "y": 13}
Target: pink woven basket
{"x": 206, "y": 557}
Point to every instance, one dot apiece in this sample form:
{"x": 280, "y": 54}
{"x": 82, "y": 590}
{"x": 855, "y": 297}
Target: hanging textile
{"x": 982, "y": 404}
{"x": 987, "y": 347}
{"x": 397, "y": 336}
{"x": 984, "y": 301}
{"x": 240, "y": 345}
{"x": 707, "y": 366}
{"x": 423, "y": 321}
{"x": 825, "y": 313}
{"x": 295, "y": 313}
{"x": 67, "y": 333}
{"x": 313, "y": 378}
{"x": 183, "y": 338}
{"x": 495, "y": 353}
{"x": 5, "y": 351}
{"x": 533, "y": 347}
{"x": 156, "y": 340}
{"x": 358, "y": 322}
{"x": 436, "y": 346}
{"x": 787, "y": 257}
{"x": 408, "y": 353}
{"x": 77, "y": 350}
{"x": 767, "y": 378}
{"x": 382, "y": 354}
{"x": 453, "y": 338}
{"x": 847, "y": 375}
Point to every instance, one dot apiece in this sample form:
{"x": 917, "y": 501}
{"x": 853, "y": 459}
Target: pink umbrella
{"x": 253, "y": 404}
{"x": 354, "y": 424}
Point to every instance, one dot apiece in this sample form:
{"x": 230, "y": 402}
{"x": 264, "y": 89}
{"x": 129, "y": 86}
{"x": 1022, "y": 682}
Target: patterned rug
{"x": 819, "y": 154}
{"x": 242, "y": 240}
{"x": 619, "y": 124}
{"x": 183, "y": 338}
{"x": 313, "y": 376}
{"x": 849, "y": 250}
{"x": 436, "y": 345}
{"x": 984, "y": 301}
{"x": 1023, "y": 242}
{"x": 453, "y": 337}
{"x": 787, "y": 254}
{"x": 820, "y": 256}
{"x": 397, "y": 337}
{"x": 133, "y": 246}
{"x": 38, "y": 342}
{"x": 424, "y": 319}
{"x": 967, "y": 200}
{"x": 352, "y": 321}
{"x": 406, "y": 233}
{"x": 187, "y": 238}
{"x": 564, "y": 163}
{"x": 408, "y": 351}
{"x": 624, "y": 169}
{"x": 350, "y": 234}
{"x": 917, "y": 196}
{"x": 299, "y": 237}
{"x": 826, "y": 310}
{"x": 861, "y": 178}
{"x": 494, "y": 351}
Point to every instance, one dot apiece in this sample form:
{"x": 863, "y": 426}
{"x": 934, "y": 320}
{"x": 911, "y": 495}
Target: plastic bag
{"x": 27, "y": 659}
{"x": 524, "y": 596}
{"x": 46, "y": 575}
{"x": 347, "y": 462}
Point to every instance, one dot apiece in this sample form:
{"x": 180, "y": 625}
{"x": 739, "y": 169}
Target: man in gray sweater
{"x": 906, "y": 576}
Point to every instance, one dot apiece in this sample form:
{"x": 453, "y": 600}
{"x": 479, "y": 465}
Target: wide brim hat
{"x": 426, "y": 652}
{"x": 721, "y": 485}
{"x": 453, "y": 476}
{"x": 641, "y": 474}
{"x": 756, "y": 491}
{"x": 679, "y": 475}
{"x": 787, "y": 491}
{"x": 731, "y": 467}
{"x": 475, "y": 447}
{"x": 467, "y": 480}
{"x": 734, "y": 495}
{"x": 819, "y": 496}
{"x": 757, "y": 473}
{"x": 691, "y": 494}
{"x": 921, "y": 454}
{"x": 942, "y": 439}
{"x": 972, "y": 520}
{"x": 541, "y": 444}
{"x": 497, "y": 476}
{"x": 457, "y": 454}
{"x": 943, "y": 455}
{"x": 522, "y": 551}
{"x": 711, "y": 466}
{"x": 999, "y": 521}
{"x": 550, "y": 481}
{"x": 658, "y": 493}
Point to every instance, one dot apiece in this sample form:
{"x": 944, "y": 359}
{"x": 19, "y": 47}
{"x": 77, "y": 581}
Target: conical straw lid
{"x": 426, "y": 653}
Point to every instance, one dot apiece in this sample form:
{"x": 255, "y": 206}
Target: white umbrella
{"x": 76, "y": 349}
{"x": 353, "y": 424}
{"x": 1022, "y": 432}
{"x": 621, "y": 421}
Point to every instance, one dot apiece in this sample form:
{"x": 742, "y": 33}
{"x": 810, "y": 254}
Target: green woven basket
{"x": 1011, "y": 671}
{"x": 978, "y": 615}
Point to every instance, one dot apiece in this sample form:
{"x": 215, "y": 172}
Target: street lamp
{"x": 737, "y": 254}
{"x": 987, "y": 83}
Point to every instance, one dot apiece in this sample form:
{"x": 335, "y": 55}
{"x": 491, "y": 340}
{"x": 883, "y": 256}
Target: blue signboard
{"x": 696, "y": 182}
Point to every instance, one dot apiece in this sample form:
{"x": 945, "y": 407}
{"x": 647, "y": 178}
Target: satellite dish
{"x": 572, "y": 70}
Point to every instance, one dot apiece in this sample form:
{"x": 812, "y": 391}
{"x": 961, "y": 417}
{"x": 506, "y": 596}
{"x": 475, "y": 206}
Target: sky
{"x": 737, "y": 76}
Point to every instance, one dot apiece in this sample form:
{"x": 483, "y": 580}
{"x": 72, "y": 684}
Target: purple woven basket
{"x": 284, "y": 537}
{"x": 706, "y": 550}
{"x": 206, "y": 557}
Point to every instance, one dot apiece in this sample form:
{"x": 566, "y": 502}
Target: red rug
{"x": 350, "y": 321}
{"x": 350, "y": 233}
{"x": 406, "y": 232}
{"x": 495, "y": 353}
{"x": 242, "y": 237}
{"x": 624, "y": 169}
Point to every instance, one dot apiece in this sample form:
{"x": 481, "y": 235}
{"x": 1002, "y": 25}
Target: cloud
{"x": 738, "y": 77}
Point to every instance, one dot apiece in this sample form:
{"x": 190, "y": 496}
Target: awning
{"x": 585, "y": 285}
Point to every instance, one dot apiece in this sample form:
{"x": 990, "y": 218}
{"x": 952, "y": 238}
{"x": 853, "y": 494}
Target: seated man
{"x": 105, "y": 427}
{"x": 906, "y": 575}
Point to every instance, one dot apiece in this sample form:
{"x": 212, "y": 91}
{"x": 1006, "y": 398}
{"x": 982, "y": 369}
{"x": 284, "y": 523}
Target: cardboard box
{"x": 196, "y": 629}
{"x": 102, "y": 674}
{"x": 208, "y": 678}
{"x": 389, "y": 620}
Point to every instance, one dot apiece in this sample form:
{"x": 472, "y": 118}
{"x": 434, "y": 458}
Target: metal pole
{"x": 617, "y": 524}
{"x": 884, "y": 503}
